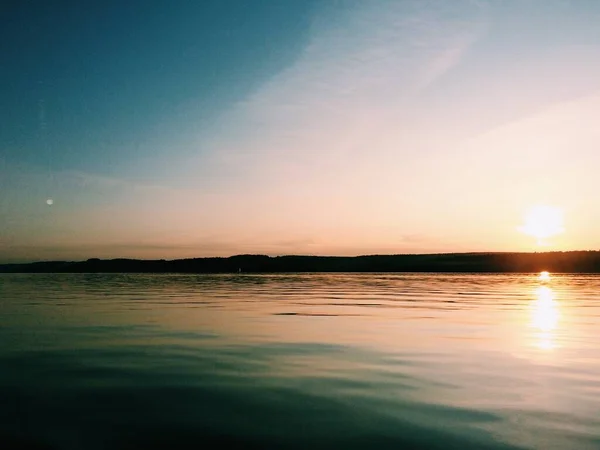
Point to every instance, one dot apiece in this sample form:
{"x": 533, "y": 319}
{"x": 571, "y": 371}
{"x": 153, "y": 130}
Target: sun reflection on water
{"x": 545, "y": 317}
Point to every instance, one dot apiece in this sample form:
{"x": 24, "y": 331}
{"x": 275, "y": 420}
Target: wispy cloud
{"x": 362, "y": 71}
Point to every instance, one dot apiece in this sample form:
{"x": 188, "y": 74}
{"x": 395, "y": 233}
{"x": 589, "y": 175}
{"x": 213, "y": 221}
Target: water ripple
{"x": 299, "y": 360}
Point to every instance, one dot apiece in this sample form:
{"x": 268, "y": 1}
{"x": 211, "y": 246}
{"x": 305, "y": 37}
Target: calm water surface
{"x": 295, "y": 361}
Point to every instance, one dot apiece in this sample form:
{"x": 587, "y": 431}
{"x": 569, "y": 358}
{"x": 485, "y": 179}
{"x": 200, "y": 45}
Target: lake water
{"x": 95, "y": 361}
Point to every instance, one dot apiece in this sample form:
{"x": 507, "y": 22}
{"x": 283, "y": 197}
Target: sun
{"x": 544, "y": 276}
{"x": 543, "y": 222}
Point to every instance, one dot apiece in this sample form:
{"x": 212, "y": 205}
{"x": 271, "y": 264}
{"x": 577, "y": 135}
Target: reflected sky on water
{"x": 326, "y": 360}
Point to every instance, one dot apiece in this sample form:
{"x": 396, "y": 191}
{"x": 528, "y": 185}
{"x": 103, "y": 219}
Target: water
{"x": 294, "y": 361}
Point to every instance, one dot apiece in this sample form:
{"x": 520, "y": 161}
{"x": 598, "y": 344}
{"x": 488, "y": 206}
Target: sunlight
{"x": 544, "y": 276}
{"x": 545, "y": 317}
{"x": 543, "y": 222}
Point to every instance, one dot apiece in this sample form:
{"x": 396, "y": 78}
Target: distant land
{"x": 556, "y": 262}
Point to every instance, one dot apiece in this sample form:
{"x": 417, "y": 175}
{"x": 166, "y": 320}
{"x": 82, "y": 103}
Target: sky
{"x": 155, "y": 129}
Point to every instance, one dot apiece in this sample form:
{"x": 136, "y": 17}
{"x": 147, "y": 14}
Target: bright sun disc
{"x": 543, "y": 222}
{"x": 544, "y": 276}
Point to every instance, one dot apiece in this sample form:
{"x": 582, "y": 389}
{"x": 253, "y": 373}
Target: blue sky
{"x": 115, "y": 81}
{"x": 323, "y": 127}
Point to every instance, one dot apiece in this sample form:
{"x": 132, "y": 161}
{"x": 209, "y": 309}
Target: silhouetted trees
{"x": 574, "y": 262}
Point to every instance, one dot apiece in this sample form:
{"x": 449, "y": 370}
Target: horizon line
{"x": 304, "y": 256}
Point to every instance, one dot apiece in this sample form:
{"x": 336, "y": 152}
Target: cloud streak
{"x": 361, "y": 72}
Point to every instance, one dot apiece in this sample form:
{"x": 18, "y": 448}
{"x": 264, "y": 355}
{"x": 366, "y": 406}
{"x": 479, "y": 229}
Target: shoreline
{"x": 579, "y": 262}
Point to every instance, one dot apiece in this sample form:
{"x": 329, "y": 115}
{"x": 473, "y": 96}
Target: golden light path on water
{"x": 545, "y": 315}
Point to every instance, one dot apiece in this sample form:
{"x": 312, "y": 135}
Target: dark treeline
{"x": 566, "y": 262}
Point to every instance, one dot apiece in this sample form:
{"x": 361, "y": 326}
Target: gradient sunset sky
{"x": 210, "y": 128}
